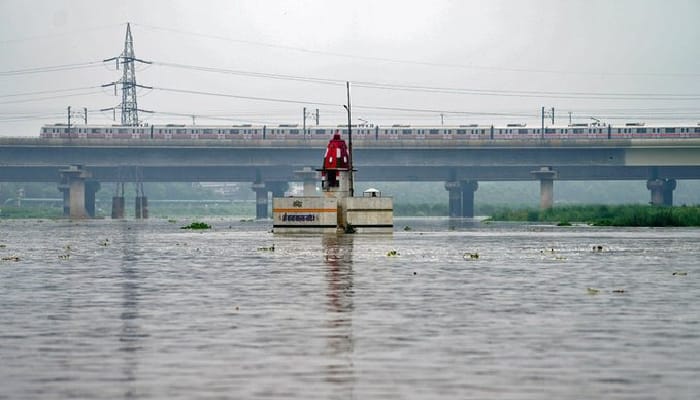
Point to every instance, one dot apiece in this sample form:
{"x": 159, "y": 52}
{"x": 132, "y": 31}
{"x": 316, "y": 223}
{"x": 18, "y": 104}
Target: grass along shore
{"x": 606, "y": 215}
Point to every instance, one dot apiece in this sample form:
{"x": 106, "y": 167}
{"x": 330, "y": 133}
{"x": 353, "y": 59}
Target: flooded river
{"x": 145, "y": 310}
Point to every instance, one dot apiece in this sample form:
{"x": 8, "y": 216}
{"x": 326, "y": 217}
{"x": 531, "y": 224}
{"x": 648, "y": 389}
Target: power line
{"x": 277, "y": 100}
{"x": 420, "y": 63}
{"x": 48, "y": 91}
{"x": 51, "y": 68}
{"x": 51, "y": 97}
{"x": 204, "y": 93}
{"x": 54, "y": 35}
{"x": 445, "y": 90}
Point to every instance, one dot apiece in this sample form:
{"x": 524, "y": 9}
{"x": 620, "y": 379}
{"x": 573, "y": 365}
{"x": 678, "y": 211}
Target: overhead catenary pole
{"x": 542, "y": 131}
{"x": 348, "y": 108}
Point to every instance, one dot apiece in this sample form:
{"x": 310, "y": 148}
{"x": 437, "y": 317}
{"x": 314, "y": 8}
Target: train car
{"x": 634, "y": 130}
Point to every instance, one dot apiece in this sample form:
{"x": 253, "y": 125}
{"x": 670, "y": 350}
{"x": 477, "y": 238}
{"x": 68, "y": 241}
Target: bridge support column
{"x": 118, "y": 207}
{"x": 277, "y": 188}
{"x": 260, "y": 200}
{"x": 118, "y": 202}
{"x": 91, "y": 187}
{"x": 468, "y": 190}
{"x": 546, "y": 175}
{"x": 75, "y": 177}
{"x": 141, "y": 207}
{"x": 64, "y": 188}
{"x": 661, "y": 191}
{"x": 309, "y": 178}
{"x": 669, "y": 187}
{"x": 454, "y": 193}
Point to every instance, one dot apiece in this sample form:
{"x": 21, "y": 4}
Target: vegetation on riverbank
{"x": 606, "y": 215}
{"x": 11, "y": 212}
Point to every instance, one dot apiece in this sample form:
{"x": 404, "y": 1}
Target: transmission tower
{"x": 129, "y": 107}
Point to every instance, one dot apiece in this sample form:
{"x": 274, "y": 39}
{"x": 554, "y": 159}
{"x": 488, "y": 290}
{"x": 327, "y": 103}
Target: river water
{"x": 145, "y": 310}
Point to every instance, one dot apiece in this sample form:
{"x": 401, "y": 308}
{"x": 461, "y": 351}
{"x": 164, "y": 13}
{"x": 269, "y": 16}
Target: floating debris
{"x": 618, "y": 291}
{"x": 407, "y": 228}
{"x": 470, "y": 256}
{"x": 64, "y": 256}
{"x": 271, "y": 248}
{"x": 10, "y": 258}
{"x": 598, "y": 249}
{"x": 592, "y": 291}
{"x": 104, "y": 242}
{"x": 392, "y": 253}
{"x": 680, "y": 273}
{"x": 197, "y": 225}
{"x": 2, "y": 246}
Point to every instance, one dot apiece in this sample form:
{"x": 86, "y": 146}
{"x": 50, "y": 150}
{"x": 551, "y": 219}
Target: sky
{"x": 408, "y": 62}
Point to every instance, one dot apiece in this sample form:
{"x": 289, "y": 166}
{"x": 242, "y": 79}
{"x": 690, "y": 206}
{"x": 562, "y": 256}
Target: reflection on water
{"x": 339, "y": 277}
{"x": 158, "y": 312}
{"x": 129, "y": 334}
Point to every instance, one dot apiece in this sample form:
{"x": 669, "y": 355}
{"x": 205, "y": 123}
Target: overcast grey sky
{"x": 499, "y": 59}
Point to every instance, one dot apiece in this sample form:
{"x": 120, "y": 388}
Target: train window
{"x": 294, "y": 131}
{"x": 577, "y": 131}
{"x": 522, "y": 131}
{"x": 234, "y": 131}
{"x": 433, "y": 131}
{"x": 641, "y": 130}
{"x": 461, "y": 131}
{"x": 670, "y": 130}
{"x": 95, "y": 130}
{"x": 320, "y": 131}
{"x": 406, "y": 131}
{"x": 550, "y": 130}
{"x": 697, "y": 130}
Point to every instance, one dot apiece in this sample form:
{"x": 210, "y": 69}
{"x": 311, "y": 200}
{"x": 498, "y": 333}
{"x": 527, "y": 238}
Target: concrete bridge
{"x": 79, "y": 164}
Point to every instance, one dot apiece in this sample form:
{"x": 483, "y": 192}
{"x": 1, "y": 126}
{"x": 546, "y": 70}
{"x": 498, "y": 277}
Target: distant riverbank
{"x": 606, "y": 215}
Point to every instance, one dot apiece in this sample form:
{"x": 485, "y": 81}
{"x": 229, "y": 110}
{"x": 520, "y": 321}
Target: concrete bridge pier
{"x": 64, "y": 188}
{"x": 668, "y": 192}
{"x": 277, "y": 188}
{"x": 118, "y": 202}
{"x": 546, "y": 175}
{"x": 118, "y": 207}
{"x": 141, "y": 207}
{"x": 468, "y": 190}
{"x": 74, "y": 178}
{"x": 140, "y": 202}
{"x": 308, "y": 177}
{"x": 454, "y": 193}
{"x": 91, "y": 187}
{"x": 260, "y": 200}
{"x": 261, "y": 190}
{"x": 661, "y": 191}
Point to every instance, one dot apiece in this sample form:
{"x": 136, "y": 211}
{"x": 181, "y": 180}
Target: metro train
{"x": 370, "y": 132}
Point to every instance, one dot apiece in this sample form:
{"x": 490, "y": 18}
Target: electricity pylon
{"x": 128, "y": 106}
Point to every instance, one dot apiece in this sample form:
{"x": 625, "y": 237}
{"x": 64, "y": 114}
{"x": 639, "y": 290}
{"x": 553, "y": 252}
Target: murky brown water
{"x": 146, "y": 310}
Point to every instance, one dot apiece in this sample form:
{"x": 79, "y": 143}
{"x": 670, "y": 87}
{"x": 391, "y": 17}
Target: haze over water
{"x": 146, "y": 310}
